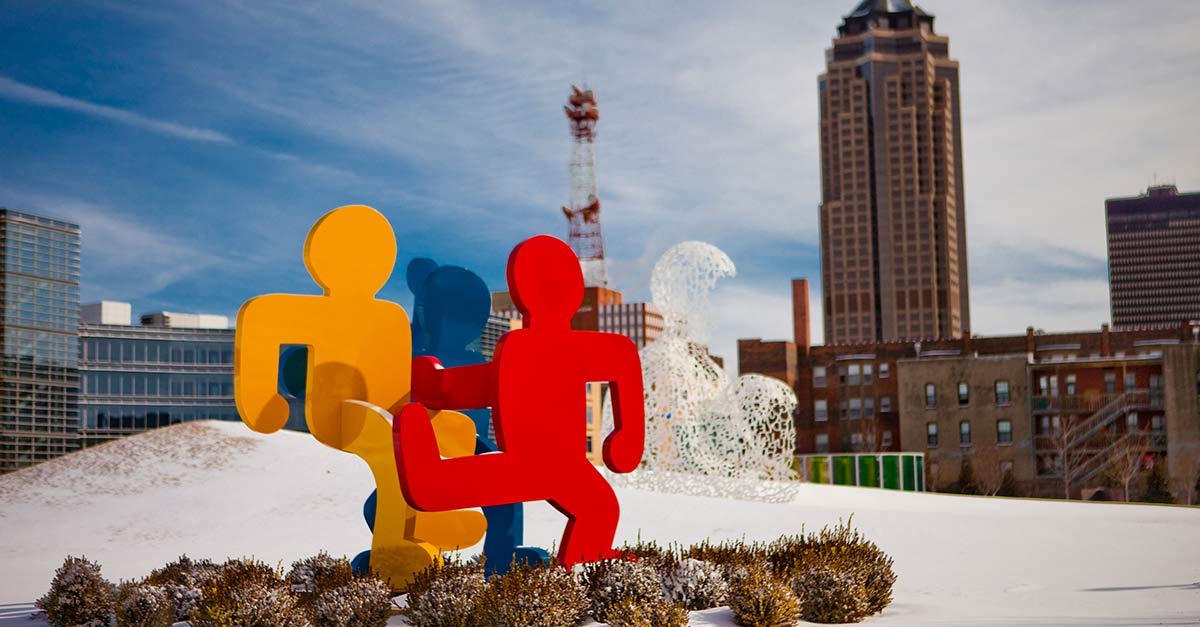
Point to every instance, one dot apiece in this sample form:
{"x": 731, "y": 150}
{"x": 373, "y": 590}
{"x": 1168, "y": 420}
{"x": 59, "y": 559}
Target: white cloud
{"x": 14, "y": 90}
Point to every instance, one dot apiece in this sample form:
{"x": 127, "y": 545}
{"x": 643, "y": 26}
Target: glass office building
{"x": 134, "y": 378}
{"x": 39, "y": 345}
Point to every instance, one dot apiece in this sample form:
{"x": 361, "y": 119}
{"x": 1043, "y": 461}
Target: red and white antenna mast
{"x": 583, "y": 212}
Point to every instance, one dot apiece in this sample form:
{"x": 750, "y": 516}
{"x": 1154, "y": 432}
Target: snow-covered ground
{"x": 218, "y": 490}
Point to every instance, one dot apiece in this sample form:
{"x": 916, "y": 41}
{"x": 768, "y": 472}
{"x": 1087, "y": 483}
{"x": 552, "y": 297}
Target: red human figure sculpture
{"x": 535, "y": 386}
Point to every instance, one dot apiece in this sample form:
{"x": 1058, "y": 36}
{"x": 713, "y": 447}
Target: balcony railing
{"x": 1089, "y": 403}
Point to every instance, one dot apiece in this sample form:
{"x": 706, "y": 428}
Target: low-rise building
{"x": 139, "y": 377}
{"x": 1006, "y": 404}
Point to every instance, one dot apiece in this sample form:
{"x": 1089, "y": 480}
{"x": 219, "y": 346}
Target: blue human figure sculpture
{"x": 451, "y": 307}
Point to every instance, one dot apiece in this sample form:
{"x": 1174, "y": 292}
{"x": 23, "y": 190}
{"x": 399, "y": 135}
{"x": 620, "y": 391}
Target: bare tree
{"x": 868, "y": 440}
{"x": 1069, "y": 455}
{"x": 1128, "y": 457}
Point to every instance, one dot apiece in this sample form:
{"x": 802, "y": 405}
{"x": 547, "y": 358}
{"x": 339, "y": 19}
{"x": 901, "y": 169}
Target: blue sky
{"x": 197, "y": 142}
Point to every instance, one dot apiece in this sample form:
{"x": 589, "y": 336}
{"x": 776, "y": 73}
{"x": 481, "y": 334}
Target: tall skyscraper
{"x": 893, "y": 228}
{"x": 39, "y": 342}
{"x": 1154, "y": 257}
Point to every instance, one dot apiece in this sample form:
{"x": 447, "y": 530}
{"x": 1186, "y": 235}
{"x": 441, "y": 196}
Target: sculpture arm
{"x": 623, "y": 447}
{"x": 465, "y": 387}
{"x": 256, "y": 366}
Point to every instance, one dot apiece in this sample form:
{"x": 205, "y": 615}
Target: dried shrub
{"x": 446, "y": 595}
{"x": 79, "y": 596}
{"x": 731, "y": 556}
{"x": 645, "y": 551}
{"x": 183, "y": 580}
{"x": 320, "y": 572}
{"x": 648, "y": 613}
{"x": 759, "y": 599}
{"x": 831, "y": 596}
{"x": 144, "y": 605}
{"x": 247, "y": 593}
{"x": 696, "y": 584}
{"x": 364, "y": 602}
{"x": 611, "y": 581}
{"x": 841, "y": 549}
{"x": 532, "y": 596}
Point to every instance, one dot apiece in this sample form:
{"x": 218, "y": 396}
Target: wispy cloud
{"x": 14, "y": 90}
{"x": 122, "y": 259}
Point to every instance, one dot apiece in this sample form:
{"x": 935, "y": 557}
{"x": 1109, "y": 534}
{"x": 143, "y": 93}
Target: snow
{"x": 217, "y": 490}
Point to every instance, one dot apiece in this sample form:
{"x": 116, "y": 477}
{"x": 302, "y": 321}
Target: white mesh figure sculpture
{"x": 705, "y": 434}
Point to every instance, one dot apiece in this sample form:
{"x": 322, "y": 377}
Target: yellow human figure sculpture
{"x": 359, "y": 367}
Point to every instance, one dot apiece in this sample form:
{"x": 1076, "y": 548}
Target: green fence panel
{"x": 868, "y": 471}
{"x": 891, "y": 472}
{"x": 843, "y": 470}
{"x": 910, "y": 474}
{"x": 818, "y": 472}
{"x": 920, "y": 473}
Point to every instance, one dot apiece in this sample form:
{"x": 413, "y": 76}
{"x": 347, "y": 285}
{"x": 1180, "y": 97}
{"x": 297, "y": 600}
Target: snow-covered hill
{"x": 217, "y": 490}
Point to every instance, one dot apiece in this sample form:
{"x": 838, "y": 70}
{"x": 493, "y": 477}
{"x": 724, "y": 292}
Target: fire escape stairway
{"x": 1103, "y": 417}
{"x": 1096, "y": 463}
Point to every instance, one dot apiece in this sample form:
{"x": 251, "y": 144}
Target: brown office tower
{"x": 893, "y": 229}
{"x": 1154, "y": 257}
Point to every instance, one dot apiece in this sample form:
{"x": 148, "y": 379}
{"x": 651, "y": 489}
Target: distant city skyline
{"x": 195, "y": 144}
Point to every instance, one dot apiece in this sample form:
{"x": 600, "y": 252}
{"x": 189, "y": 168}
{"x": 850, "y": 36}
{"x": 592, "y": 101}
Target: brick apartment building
{"x": 998, "y": 401}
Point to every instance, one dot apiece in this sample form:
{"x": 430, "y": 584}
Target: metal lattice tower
{"x": 583, "y": 212}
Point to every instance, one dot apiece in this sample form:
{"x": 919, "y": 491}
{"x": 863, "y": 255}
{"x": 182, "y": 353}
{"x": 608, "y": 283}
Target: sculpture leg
{"x": 431, "y": 483}
{"x": 592, "y": 509}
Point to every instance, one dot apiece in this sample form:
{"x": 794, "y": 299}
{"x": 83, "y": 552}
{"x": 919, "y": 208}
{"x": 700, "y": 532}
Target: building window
{"x": 589, "y": 443}
{"x": 886, "y": 442}
{"x": 931, "y": 434}
{"x": 964, "y": 393}
{"x": 1131, "y": 381}
{"x": 867, "y": 373}
{"x": 1131, "y": 421}
{"x": 1002, "y": 396}
{"x": 1156, "y": 423}
{"x": 964, "y": 433}
{"x": 854, "y": 375}
{"x": 1003, "y": 431}
{"x": 1110, "y": 383}
{"x": 930, "y": 396}
{"x": 1070, "y": 385}
{"x": 822, "y": 442}
{"x": 885, "y": 372}
{"x": 855, "y": 408}
{"x": 821, "y": 411}
{"x": 819, "y": 377}
{"x": 885, "y": 404}
{"x": 868, "y": 407}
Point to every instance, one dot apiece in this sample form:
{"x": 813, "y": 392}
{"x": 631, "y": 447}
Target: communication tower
{"x": 583, "y": 212}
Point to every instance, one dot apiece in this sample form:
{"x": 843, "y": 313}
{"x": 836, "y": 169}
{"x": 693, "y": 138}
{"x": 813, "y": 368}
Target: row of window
{"x": 1002, "y": 394}
{"x": 855, "y": 441}
{"x": 852, "y": 408}
{"x": 854, "y": 374}
{"x": 157, "y": 351}
{"x": 156, "y": 384}
{"x": 1048, "y": 384}
{"x": 1003, "y": 433}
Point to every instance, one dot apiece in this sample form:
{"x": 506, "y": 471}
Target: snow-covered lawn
{"x": 218, "y": 490}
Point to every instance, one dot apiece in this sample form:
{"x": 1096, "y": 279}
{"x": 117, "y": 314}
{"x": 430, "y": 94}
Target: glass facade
{"x": 134, "y": 378}
{"x": 39, "y": 380}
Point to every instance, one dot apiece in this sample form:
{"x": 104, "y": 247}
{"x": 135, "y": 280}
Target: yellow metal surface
{"x": 359, "y": 349}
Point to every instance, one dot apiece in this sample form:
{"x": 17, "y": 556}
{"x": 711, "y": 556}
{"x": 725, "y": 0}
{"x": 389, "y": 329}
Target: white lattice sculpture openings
{"x": 706, "y": 434}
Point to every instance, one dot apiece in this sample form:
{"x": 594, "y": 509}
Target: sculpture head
{"x": 681, "y": 282}
{"x": 456, "y": 307}
{"x": 351, "y": 251}
{"x": 545, "y": 281}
